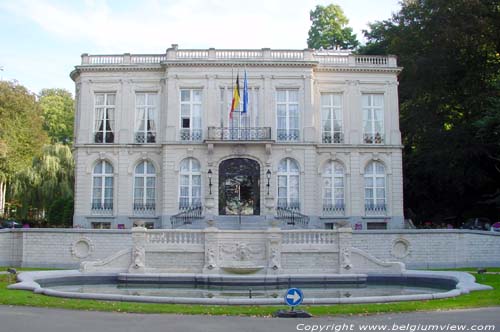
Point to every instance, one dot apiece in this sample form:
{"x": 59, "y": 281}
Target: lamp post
{"x": 210, "y": 181}
{"x": 268, "y": 175}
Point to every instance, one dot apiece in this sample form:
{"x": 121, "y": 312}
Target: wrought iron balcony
{"x": 290, "y": 135}
{"x": 373, "y": 138}
{"x": 99, "y": 208}
{"x": 239, "y": 134}
{"x": 329, "y": 137}
{"x": 142, "y": 209}
{"x": 191, "y": 134}
{"x": 142, "y": 137}
{"x": 331, "y": 210}
{"x": 375, "y": 209}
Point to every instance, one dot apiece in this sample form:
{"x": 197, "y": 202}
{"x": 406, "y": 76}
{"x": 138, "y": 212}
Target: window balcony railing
{"x": 142, "y": 137}
{"x": 375, "y": 209}
{"x": 337, "y": 138}
{"x": 239, "y": 134}
{"x": 376, "y": 138}
{"x": 290, "y": 135}
{"x": 142, "y": 209}
{"x": 191, "y": 134}
{"x": 331, "y": 210}
{"x": 102, "y": 208}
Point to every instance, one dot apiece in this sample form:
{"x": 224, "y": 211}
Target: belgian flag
{"x": 236, "y": 97}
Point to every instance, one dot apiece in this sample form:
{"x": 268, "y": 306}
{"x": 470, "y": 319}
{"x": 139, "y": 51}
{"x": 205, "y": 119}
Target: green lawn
{"x": 474, "y": 299}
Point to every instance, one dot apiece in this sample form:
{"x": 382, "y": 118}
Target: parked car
{"x": 480, "y": 224}
{"x": 10, "y": 224}
{"x": 495, "y": 227}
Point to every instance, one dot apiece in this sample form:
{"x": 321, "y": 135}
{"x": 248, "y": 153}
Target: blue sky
{"x": 42, "y": 40}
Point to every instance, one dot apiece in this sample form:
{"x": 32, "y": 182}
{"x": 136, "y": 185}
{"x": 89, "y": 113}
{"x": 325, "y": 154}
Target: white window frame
{"x": 373, "y": 205}
{"x": 141, "y": 204}
{"x": 192, "y": 133}
{"x": 289, "y": 136}
{"x": 330, "y": 205}
{"x": 104, "y": 118}
{"x": 102, "y": 207}
{"x": 146, "y": 136}
{"x": 190, "y": 200}
{"x": 373, "y": 136}
{"x": 287, "y": 175}
{"x": 332, "y": 136}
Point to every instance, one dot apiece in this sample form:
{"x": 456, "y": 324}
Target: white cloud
{"x": 153, "y": 25}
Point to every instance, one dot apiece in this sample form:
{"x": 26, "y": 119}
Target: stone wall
{"x": 62, "y": 248}
{"x": 66, "y": 248}
{"x": 432, "y": 248}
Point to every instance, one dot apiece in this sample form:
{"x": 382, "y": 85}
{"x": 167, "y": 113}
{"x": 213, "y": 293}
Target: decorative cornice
{"x": 165, "y": 65}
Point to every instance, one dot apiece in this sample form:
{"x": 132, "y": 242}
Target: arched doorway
{"x": 239, "y": 187}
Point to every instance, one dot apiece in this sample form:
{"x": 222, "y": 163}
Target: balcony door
{"x": 239, "y": 187}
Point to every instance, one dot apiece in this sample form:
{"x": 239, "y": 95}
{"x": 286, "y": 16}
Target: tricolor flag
{"x": 245, "y": 94}
{"x": 236, "y": 97}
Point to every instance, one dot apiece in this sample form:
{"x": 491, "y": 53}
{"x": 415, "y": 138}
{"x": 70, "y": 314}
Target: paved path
{"x": 25, "y": 319}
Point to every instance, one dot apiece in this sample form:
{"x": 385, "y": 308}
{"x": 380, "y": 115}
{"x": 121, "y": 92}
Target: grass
{"x": 472, "y": 300}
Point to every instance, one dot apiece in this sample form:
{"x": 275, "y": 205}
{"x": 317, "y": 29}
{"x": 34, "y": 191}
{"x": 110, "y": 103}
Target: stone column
{"x": 274, "y": 249}
{"x": 211, "y": 265}
{"x": 138, "y": 264}
{"x": 345, "y": 244}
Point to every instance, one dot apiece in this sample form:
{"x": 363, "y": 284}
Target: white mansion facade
{"x": 318, "y": 144}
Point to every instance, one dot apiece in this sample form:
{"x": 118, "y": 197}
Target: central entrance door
{"x": 239, "y": 187}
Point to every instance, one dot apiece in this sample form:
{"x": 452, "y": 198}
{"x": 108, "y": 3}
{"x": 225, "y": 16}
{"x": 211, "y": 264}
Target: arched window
{"x": 288, "y": 184}
{"x": 333, "y": 188}
{"x": 189, "y": 183}
{"x": 102, "y": 188}
{"x": 145, "y": 188}
{"x": 375, "y": 201}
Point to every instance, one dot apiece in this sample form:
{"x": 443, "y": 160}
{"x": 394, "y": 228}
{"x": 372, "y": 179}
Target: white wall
{"x": 425, "y": 248}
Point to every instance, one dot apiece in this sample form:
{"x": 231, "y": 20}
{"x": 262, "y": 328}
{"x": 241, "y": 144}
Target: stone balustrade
{"x": 177, "y": 237}
{"x": 321, "y": 57}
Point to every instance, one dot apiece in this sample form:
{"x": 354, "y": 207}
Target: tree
{"x": 449, "y": 101}
{"x": 21, "y": 133}
{"x": 50, "y": 178}
{"x": 329, "y": 29}
{"x": 58, "y": 114}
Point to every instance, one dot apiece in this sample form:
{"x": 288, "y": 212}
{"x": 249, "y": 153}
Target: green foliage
{"x": 48, "y": 179}
{"x": 58, "y": 114}
{"x": 450, "y": 101}
{"x": 21, "y": 132}
{"x": 329, "y": 29}
{"x": 60, "y": 212}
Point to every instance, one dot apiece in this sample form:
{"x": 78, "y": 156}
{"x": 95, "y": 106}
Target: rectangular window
{"x": 373, "y": 118}
{"x": 101, "y": 225}
{"x": 145, "y": 117}
{"x": 376, "y": 225}
{"x": 287, "y": 111}
{"x": 104, "y": 126}
{"x": 191, "y": 109}
{"x": 331, "y": 118}
{"x": 241, "y": 125}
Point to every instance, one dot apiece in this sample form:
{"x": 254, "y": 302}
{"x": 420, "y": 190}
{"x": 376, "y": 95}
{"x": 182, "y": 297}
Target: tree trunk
{"x": 3, "y": 186}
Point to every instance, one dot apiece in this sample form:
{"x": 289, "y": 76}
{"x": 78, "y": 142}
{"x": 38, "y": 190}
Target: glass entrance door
{"x": 239, "y": 187}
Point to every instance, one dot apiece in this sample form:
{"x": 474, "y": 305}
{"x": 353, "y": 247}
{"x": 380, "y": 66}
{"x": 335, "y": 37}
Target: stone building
{"x": 319, "y": 142}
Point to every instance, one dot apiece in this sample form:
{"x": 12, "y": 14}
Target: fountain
{"x": 221, "y": 265}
